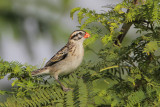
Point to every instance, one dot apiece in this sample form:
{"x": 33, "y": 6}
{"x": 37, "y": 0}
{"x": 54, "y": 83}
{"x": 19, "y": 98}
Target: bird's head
{"x": 79, "y": 36}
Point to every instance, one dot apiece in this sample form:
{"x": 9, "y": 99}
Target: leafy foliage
{"x": 124, "y": 75}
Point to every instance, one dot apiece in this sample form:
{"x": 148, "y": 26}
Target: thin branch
{"x": 125, "y": 28}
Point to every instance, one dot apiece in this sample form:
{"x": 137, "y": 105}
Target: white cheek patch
{"x": 79, "y": 37}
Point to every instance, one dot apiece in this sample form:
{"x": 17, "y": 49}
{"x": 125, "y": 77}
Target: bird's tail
{"x": 41, "y": 71}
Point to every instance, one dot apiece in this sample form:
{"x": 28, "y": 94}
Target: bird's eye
{"x": 80, "y": 33}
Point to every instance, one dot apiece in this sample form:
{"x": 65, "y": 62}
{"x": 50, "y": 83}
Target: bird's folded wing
{"x": 60, "y": 55}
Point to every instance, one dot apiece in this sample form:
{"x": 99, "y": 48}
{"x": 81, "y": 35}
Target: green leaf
{"x": 80, "y": 16}
{"x": 73, "y": 11}
{"x": 14, "y": 82}
{"x": 30, "y": 84}
{"x": 2, "y": 92}
{"x": 152, "y": 46}
{"x": 17, "y": 69}
{"x": 118, "y": 8}
{"x": 1, "y": 66}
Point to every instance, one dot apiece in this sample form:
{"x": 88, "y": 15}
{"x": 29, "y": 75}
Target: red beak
{"x": 87, "y": 35}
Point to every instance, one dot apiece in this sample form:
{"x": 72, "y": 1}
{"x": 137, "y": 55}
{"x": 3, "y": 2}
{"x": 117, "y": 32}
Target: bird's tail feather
{"x": 41, "y": 71}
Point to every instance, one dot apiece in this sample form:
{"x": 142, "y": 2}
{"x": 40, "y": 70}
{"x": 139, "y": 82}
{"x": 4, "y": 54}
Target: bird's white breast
{"x": 73, "y": 59}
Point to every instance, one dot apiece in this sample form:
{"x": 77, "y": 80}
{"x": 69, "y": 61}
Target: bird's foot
{"x": 66, "y": 89}
{"x": 63, "y": 87}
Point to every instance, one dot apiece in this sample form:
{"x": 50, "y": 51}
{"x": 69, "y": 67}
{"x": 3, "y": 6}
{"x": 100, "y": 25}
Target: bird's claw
{"x": 66, "y": 89}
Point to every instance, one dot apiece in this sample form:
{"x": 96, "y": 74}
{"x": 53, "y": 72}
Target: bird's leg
{"x": 63, "y": 87}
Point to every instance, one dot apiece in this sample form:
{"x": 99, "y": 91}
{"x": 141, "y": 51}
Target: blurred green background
{"x": 27, "y": 23}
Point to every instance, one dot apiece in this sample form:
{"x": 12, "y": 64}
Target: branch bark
{"x": 124, "y": 30}
{"x": 126, "y": 26}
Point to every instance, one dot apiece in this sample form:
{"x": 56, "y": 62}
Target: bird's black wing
{"x": 60, "y": 55}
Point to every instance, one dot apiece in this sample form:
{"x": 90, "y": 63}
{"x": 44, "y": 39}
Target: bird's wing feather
{"x": 60, "y": 55}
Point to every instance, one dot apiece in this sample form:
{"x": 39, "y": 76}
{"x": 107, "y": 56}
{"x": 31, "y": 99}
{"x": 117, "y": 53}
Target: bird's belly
{"x": 70, "y": 65}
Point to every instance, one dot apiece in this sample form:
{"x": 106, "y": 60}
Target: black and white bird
{"x": 66, "y": 59}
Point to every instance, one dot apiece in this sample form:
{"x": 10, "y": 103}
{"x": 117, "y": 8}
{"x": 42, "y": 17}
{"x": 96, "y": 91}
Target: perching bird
{"x": 66, "y": 59}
